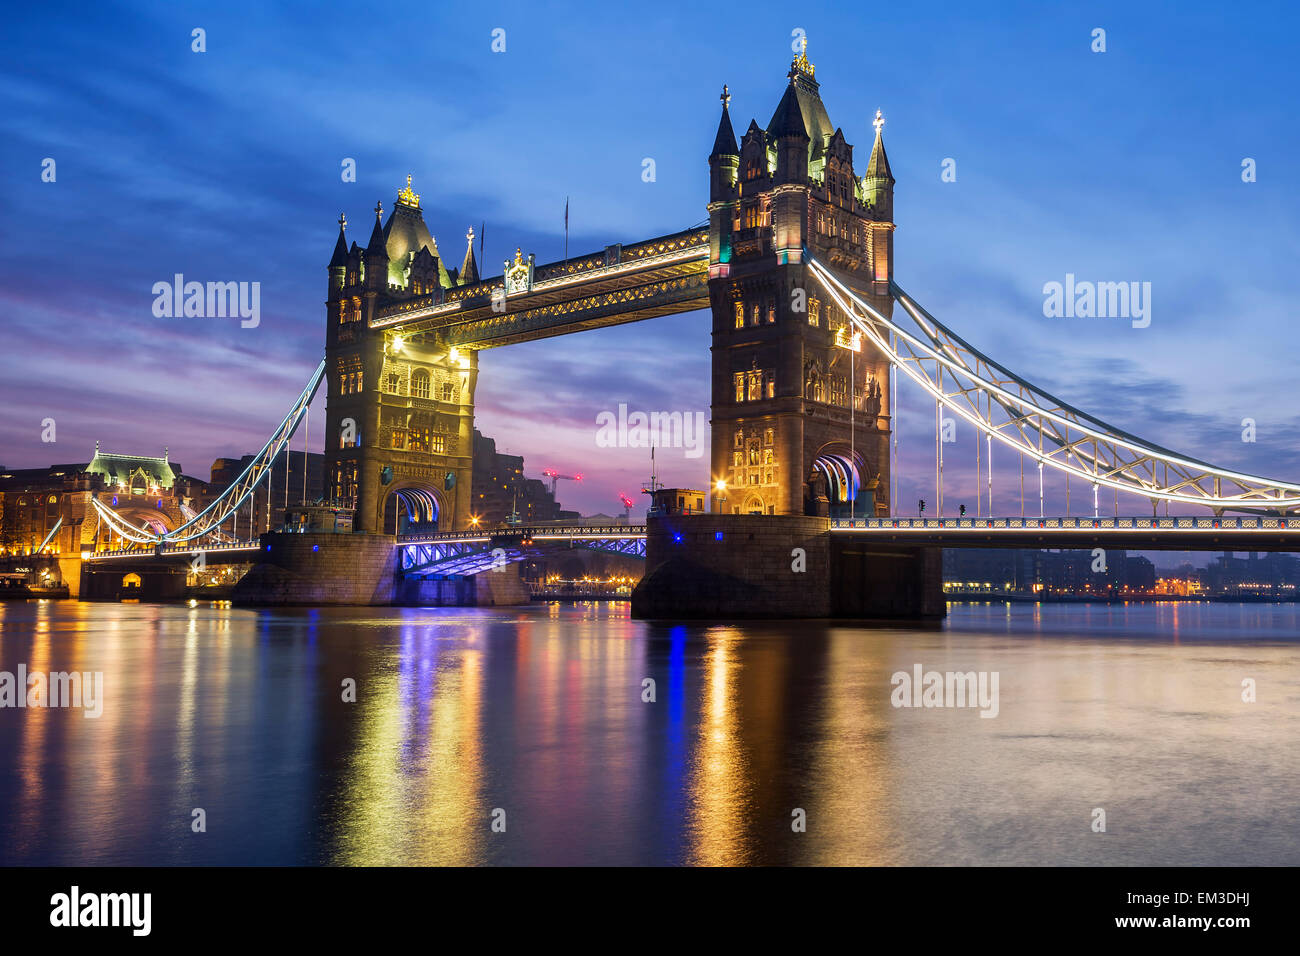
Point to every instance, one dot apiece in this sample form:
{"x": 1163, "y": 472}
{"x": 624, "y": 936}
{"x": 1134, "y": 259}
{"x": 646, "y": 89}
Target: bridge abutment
{"x": 362, "y": 569}
{"x": 719, "y": 566}
{"x": 321, "y": 568}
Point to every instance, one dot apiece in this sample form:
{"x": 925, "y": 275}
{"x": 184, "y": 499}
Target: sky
{"x": 225, "y": 165}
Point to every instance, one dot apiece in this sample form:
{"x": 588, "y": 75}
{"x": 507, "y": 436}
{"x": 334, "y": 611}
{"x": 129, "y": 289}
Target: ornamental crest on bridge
{"x": 519, "y": 274}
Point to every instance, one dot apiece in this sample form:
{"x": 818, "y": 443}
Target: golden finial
{"x": 725, "y": 97}
{"x": 470, "y": 235}
{"x": 879, "y": 122}
{"x": 343, "y": 221}
{"x": 407, "y": 196}
{"x": 519, "y": 256}
{"x": 379, "y": 209}
{"x": 801, "y": 60}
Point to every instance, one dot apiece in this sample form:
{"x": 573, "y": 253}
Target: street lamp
{"x": 853, "y": 344}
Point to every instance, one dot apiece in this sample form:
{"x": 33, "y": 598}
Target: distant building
{"x": 499, "y": 489}
{"x": 225, "y": 471}
{"x": 150, "y": 493}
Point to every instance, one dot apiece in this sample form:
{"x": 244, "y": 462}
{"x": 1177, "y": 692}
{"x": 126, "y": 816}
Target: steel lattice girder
{"x": 475, "y": 556}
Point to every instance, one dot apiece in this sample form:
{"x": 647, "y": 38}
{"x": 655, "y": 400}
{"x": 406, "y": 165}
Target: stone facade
{"x": 734, "y": 566}
{"x": 722, "y": 567}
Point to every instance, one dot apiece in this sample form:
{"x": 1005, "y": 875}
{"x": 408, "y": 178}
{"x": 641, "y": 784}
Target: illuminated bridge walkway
{"x": 459, "y": 553}
{"x": 462, "y": 553}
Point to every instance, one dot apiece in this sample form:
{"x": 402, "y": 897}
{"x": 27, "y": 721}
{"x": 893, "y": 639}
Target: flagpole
{"x": 566, "y": 228}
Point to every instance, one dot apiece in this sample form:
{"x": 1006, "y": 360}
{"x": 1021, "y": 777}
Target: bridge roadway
{"x": 1174, "y": 533}
{"x": 475, "y": 548}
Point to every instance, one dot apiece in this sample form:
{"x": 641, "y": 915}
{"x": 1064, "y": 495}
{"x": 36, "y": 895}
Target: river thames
{"x": 525, "y": 736}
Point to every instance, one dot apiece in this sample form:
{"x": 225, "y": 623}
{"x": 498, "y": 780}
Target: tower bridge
{"x": 811, "y": 332}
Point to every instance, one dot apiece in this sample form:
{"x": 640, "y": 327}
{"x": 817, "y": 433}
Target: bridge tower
{"x": 795, "y": 410}
{"x": 400, "y": 410}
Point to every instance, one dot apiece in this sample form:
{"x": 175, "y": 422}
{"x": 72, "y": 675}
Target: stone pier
{"x": 720, "y": 566}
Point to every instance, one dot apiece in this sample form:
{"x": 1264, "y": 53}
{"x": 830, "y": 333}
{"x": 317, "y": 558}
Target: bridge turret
{"x": 878, "y": 192}
{"x": 724, "y": 161}
{"x": 724, "y": 164}
{"x": 338, "y": 266}
{"x": 377, "y": 255}
{"x": 469, "y": 268}
{"x": 791, "y": 137}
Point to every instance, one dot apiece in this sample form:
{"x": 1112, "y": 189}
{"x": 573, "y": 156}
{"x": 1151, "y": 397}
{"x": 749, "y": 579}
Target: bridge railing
{"x": 544, "y": 532}
{"x": 1176, "y": 523}
{"x": 146, "y": 552}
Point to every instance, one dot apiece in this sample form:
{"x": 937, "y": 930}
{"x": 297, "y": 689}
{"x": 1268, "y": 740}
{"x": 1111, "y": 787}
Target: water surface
{"x": 538, "y": 712}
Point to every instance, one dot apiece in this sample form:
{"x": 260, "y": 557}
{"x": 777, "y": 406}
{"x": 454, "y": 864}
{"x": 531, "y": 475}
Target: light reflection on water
{"x": 538, "y": 712}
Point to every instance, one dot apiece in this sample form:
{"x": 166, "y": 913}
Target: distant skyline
{"x": 225, "y": 165}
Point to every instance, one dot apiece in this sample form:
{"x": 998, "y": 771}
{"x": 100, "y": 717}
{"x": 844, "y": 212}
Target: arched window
{"x": 420, "y": 383}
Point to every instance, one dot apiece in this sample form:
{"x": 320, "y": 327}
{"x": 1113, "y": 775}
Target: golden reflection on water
{"x": 719, "y": 785}
{"x": 411, "y": 798}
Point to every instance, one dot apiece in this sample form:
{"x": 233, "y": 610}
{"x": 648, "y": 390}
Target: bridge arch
{"x": 843, "y": 469}
{"x": 413, "y": 506}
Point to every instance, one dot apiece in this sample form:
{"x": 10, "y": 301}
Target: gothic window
{"x": 420, "y": 383}
{"x": 768, "y": 458}
{"x": 755, "y": 385}
{"x": 771, "y": 311}
{"x": 814, "y": 311}
{"x": 448, "y": 391}
{"x": 737, "y": 459}
{"x": 769, "y": 385}
{"x": 740, "y": 386}
{"x": 754, "y": 315}
{"x": 752, "y": 217}
{"x": 740, "y": 315}
{"x": 740, "y": 438}
{"x": 839, "y": 390}
{"x": 769, "y": 436}
{"x": 753, "y": 453}
{"x": 439, "y": 444}
{"x": 393, "y": 382}
{"x": 418, "y": 439}
{"x": 398, "y": 439}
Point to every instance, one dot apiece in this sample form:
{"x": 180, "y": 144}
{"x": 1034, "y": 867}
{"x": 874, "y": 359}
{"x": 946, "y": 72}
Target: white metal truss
{"x": 210, "y": 519}
{"x": 1036, "y": 424}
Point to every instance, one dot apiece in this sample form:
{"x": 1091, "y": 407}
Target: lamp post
{"x": 854, "y": 345}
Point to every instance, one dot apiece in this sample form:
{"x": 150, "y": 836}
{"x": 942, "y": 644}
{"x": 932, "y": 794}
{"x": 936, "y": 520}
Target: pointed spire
{"x": 340, "y": 257}
{"x": 787, "y": 121}
{"x": 878, "y": 167}
{"x": 469, "y": 268}
{"x": 724, "y": 144}
{"x": 377, "y": 242}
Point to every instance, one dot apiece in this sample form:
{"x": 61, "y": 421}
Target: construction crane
{"x": 555, "y": 477}
{"x": 627, "y": 507}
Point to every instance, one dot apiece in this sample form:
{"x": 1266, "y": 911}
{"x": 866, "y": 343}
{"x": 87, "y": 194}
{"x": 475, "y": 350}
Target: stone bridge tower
{"x": 796, "y": 411}
{"x": 400, "y": 411}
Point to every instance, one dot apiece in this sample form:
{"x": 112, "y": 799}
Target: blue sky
{"x": 224, "y": 165}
